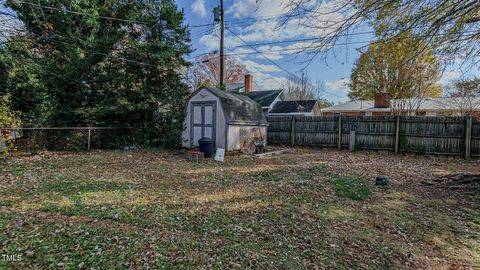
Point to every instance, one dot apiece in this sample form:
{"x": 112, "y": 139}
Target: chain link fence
{"x": 34, "y": 140}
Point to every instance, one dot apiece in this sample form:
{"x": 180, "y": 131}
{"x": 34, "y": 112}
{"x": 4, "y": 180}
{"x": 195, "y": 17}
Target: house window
{"x": 336, "y": 113}
{"x": 368, "y": 113}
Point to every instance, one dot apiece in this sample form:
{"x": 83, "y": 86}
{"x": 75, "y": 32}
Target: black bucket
{"x": 206, "y": 146}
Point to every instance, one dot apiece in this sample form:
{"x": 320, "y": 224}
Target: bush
{"x": 8, "y": 119}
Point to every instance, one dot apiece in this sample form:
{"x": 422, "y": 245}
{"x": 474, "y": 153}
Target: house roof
{"x": 427, "y": 104}
{"x": 294, "y": 106}
{"x": 448, "y": 103}
{"x": 264, "y": 98}
{"x": 235, "y": 87}
{"x": 352, "y": 106}
{"x": 238, "y": 109}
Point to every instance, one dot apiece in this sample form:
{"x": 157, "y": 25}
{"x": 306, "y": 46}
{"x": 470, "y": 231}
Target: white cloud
{"x": 254, "y": 66}
{"x": 263, "y": 81}
{"x": 264, "y": 30}
{"x": 211, "y": 42}
{"x": 340, "y": 85}
{"x": 272, "y": 29}
{"x": 449, "y": 76}
{"x": 338, "y": 90}
{"x": 250, "y": 8}
{"x": 198, "y": 6}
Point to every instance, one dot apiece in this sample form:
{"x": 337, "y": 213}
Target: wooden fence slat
{"x": 468, "y": 137}
{"x": 437, "y": 135}
{"x": 397, "y": 135}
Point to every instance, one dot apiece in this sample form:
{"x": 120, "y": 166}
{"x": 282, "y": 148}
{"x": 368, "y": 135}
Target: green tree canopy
{"x": 92, "y": 62}
{"x": 396, "y": 68}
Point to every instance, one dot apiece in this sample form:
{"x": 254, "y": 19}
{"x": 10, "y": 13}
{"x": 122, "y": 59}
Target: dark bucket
{"x": 206, "y": 146}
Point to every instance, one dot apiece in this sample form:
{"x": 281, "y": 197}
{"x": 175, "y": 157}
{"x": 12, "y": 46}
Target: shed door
{"x": 203, "y": 121}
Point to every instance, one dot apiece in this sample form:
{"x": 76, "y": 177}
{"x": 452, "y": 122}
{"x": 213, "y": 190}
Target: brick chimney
{"x": 382, "y": 100}
{"x": 248, "y": 83}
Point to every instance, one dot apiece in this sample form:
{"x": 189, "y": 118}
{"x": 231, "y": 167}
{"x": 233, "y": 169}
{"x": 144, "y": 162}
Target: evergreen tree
{"x": 106, "y": 63}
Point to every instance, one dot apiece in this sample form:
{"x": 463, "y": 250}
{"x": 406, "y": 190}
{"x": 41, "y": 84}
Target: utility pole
{"x": 222, "y": 52}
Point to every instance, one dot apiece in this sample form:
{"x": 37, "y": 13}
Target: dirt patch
{"x": 465, "y": 182}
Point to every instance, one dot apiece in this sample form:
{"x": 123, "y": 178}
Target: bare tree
{"x": 463, "y": 96}
{"x": 452, "y": 27}
{"x": 302, "y": 88}
{"x": 205, "y": 70}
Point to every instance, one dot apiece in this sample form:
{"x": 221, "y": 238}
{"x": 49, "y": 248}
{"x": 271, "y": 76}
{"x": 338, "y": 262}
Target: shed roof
{"x": 238, "y": 109}
{"x": 294, "y": 106}
{"x": 264, "y": 98}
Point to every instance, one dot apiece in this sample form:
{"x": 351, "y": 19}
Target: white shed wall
{"x": 205, "y": 95}
{"x": 238, "y": 135}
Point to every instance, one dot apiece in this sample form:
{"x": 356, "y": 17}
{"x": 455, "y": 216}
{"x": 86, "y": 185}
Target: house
{"x": 296, "y": 107}
{"x": 383, "y": 105}
{"x": 266, "y": 98}
{"x": 274, "y": 102}
{"x": 232, "y": 120}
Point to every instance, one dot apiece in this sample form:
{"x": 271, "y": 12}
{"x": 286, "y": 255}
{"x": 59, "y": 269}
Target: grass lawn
{"x": 305, "y": 209}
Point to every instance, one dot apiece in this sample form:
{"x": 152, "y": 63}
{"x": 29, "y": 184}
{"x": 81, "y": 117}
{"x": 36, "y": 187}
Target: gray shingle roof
{"x": 356, "y": 105}
{"x": 239, "y": 109}
{"x": 296, "y": 106}
{"x": 427, "y": 104}
{"x": 264, "y": 98}
{"x": 235, "y": 87}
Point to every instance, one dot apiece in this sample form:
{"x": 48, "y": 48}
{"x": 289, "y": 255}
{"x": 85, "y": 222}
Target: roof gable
{"x": 264, "y": 98}
{"x": 294, "y": 106}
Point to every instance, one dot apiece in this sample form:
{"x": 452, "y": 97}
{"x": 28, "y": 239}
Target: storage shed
{"x": 233, "y": 121}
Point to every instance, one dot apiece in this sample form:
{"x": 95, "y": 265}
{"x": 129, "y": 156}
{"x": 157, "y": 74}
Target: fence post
{"x": 89, "y": 137}
{"x": 468, "y": 136}
{"x": 292, "y": 131}
{"x": 351, "y": 145}
{"x": 397, "y": 134}
{"x": 339, "y": 132}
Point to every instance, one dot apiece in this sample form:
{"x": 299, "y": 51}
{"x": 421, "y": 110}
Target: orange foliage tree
{"x": 205, "y": 70}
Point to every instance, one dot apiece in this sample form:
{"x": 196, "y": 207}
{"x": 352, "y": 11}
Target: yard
{"x": 305, "y": 209}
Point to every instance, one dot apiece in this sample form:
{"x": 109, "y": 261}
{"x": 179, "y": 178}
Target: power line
{"x": 301, "y": 48}
{"x": 270, "y": 60}
{"x": 82, "y": 13}
{"x": 84, "y": 50}
{"x": 313, "y": 45}
{"x": 255, "y": 49}
{"x": 300, "y": 40}
{"x": 200, "y": 25}
{"x": 265, "y": 18}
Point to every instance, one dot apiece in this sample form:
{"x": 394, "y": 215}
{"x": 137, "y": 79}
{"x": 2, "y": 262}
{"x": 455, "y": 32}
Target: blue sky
{"x": 258, "y": 25}
{"x": 333, "y": 70}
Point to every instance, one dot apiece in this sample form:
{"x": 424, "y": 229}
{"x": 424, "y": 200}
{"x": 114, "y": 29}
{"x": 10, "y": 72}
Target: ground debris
{"x": 459, "y": 181}
{"x": 307, "y": 208}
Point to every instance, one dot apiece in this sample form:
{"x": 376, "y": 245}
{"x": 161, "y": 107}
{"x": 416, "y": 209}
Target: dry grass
{"x": 309, "y": 208}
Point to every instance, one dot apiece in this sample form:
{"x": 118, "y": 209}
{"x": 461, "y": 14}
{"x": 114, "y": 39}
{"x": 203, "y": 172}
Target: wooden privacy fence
{"x": 429, "y": 135}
